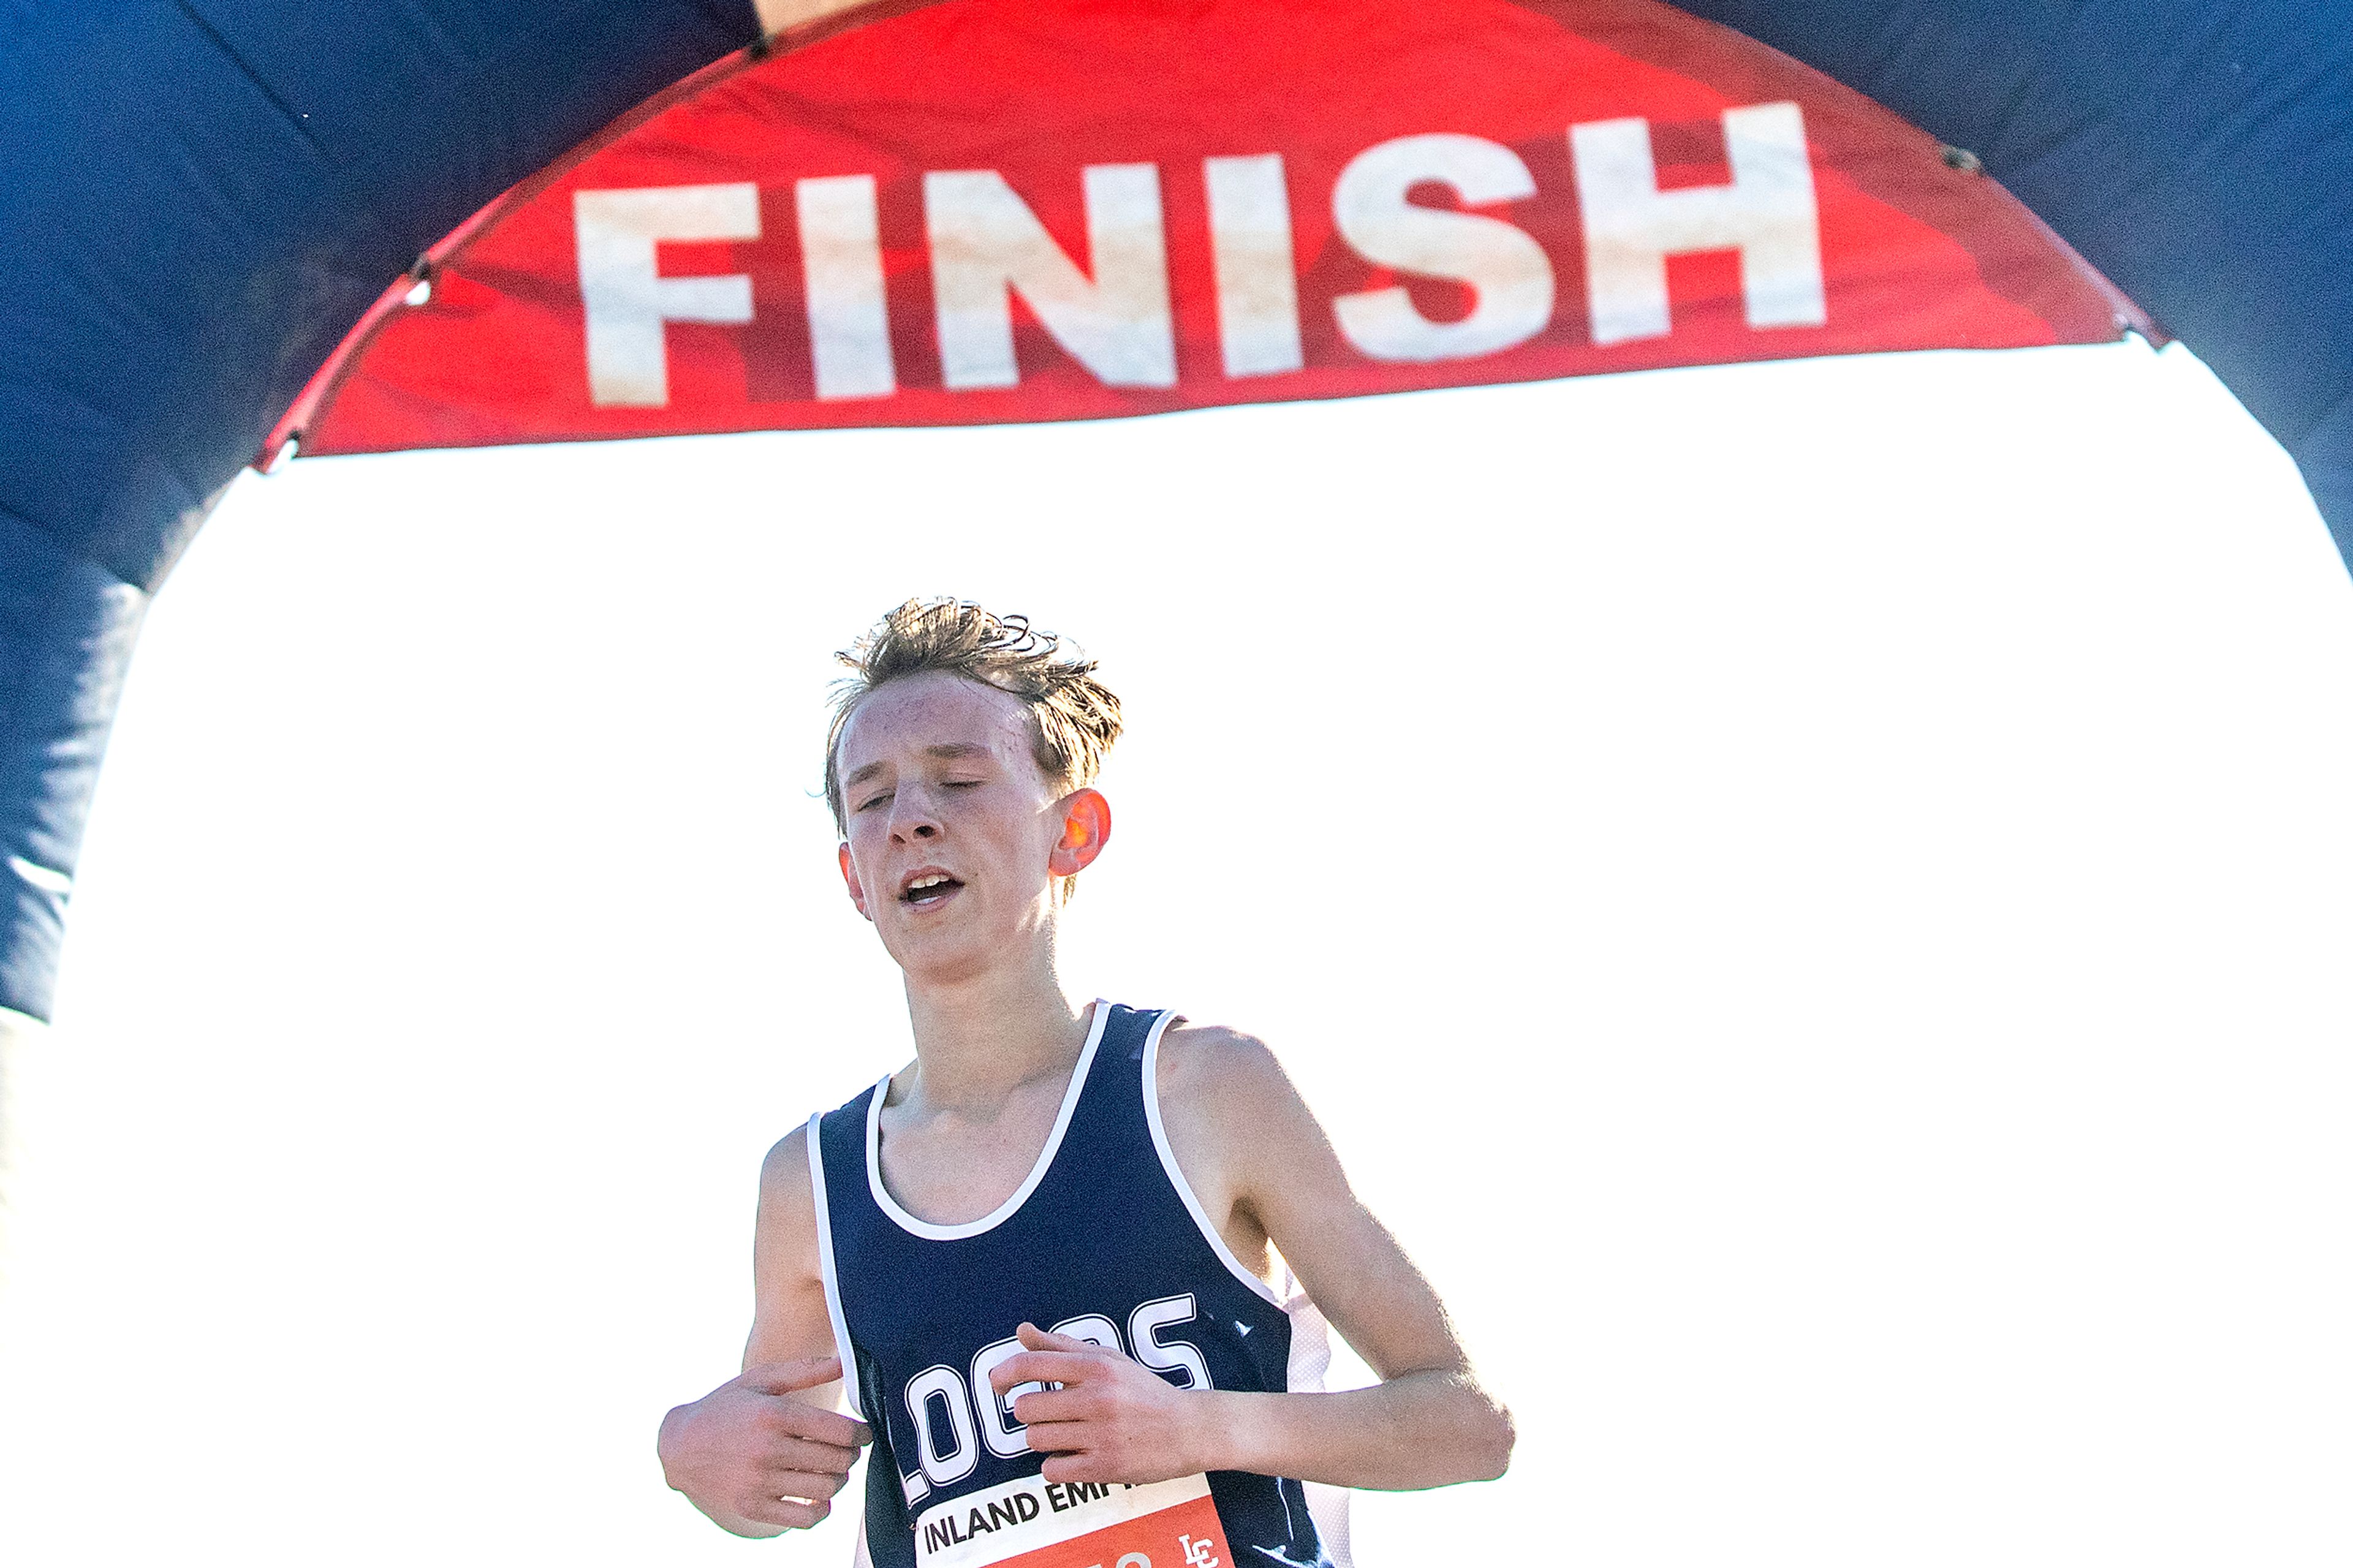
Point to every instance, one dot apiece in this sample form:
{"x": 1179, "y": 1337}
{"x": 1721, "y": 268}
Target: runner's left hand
{"x": 1112, "y": 1419}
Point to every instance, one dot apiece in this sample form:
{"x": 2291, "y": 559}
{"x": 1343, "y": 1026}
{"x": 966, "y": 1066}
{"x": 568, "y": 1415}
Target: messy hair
{"x": 1073, "y": 717}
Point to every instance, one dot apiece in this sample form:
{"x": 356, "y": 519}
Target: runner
{"x": 1078, "y": 1259}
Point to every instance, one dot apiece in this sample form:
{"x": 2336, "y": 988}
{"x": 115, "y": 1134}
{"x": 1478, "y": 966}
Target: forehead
{"x": 936, "y": 708}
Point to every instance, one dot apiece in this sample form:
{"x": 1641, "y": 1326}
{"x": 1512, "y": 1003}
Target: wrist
{"x": 1225, "y": 1434}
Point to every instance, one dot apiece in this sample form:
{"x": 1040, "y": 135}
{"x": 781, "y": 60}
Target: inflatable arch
{"x": 236, "y": 229}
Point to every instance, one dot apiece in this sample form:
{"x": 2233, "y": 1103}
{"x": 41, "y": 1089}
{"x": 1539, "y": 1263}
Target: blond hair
{"x": 1073, "y": 717}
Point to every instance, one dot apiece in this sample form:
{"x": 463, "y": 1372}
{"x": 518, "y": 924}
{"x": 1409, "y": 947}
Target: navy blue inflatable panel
{"x": 209, "y": 193}
{"x": 67, "y": 628}
{"x": 2198, "y": 152}
{"x": 198, "y": 198}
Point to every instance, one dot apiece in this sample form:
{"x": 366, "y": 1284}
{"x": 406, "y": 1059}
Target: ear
{"x": 850, "y": 876}
{"x": 1086, "y": 827}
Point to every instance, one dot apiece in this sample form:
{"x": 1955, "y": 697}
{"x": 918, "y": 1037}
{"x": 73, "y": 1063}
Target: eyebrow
{"x": 946, "y": 751}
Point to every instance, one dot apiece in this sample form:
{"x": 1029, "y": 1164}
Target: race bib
{"x": 1033, "y": 1522}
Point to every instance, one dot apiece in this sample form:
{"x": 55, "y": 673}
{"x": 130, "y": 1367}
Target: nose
{"x": 912, "y": 815}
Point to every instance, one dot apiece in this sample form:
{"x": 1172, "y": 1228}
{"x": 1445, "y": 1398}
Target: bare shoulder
{"x": 1231, "y": 1085}
{"x": 1214, "y": 1063}
{"x": 786, "y": 1170}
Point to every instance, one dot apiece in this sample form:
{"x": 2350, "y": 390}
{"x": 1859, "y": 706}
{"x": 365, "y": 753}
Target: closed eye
{"x": 882, "y": 799}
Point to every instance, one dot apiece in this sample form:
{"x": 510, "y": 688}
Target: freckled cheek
{"x": 865, "y": 851}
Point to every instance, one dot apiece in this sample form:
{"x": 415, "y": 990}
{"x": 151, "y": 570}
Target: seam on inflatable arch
{"x": 295, "y": 121}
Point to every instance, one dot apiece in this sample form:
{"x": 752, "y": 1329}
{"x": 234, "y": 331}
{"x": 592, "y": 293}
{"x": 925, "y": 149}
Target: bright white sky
{"x": 1813, "y": 897}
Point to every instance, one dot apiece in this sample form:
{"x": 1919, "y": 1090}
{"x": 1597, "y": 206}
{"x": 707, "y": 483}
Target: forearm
{"x": 1429, "y": 1428}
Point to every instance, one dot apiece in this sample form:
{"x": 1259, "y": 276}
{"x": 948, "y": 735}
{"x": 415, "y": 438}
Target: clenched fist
{"x": 755, "y": 1458}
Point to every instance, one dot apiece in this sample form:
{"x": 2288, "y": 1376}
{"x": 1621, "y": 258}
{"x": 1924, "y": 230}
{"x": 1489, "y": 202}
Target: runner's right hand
{"x": 756, "y": 1459}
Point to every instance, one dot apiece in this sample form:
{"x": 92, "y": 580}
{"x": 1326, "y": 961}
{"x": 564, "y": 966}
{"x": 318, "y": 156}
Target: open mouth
{"x": 931, "y": 888}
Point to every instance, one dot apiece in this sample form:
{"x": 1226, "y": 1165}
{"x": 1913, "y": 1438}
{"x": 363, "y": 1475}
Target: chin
{"x": 943, "y": 957}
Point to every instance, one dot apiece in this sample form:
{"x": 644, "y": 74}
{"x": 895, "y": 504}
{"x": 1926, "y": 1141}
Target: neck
{"x": 979, "y": 1038}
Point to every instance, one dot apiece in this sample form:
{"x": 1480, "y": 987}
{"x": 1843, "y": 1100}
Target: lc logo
{"x": 1196, "y": 1552}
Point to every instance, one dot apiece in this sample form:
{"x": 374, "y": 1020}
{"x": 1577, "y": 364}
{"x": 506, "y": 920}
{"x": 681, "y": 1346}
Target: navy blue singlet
{"x": 1105, "y": 1242}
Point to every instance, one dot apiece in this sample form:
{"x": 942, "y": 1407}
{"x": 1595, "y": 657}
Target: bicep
{"x": 1355, "y": 1271}
{"x": 1281, "y": 1167}
{"x": 789, "y": 1318}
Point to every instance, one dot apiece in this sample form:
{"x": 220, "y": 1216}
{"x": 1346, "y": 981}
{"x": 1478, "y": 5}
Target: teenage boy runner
{"x": 1147, "y": 1191}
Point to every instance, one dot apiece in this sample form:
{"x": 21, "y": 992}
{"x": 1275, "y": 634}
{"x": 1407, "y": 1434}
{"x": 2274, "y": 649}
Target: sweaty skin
{"x": 941, "y": 779}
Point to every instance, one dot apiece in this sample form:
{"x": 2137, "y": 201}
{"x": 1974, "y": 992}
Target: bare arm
{"x": 1258, "y": 1160}
{"x": 766, "y": 1452}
